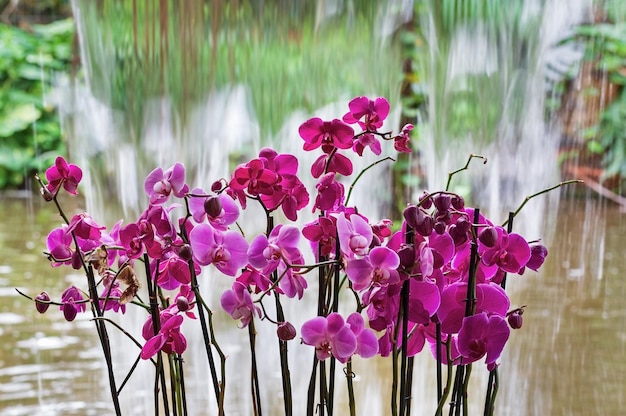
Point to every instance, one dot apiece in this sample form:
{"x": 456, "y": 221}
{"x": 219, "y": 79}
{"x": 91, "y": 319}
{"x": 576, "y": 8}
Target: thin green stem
{"x": 361, "y": 174}
{"x": 528, "y": 198}
{"x": 471, "y": 156}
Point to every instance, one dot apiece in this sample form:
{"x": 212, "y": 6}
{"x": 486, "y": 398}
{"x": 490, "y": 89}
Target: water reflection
{"x": 566, "y": 360}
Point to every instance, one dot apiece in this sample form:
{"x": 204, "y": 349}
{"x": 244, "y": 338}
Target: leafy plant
{"x": 30, "y": 134}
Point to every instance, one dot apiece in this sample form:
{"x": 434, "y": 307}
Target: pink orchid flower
{"x": 330, "y": 336}
{"x": 329, "y": 135}
{"x": 63, "y": 174}
{"x": 238, "y": 303}
{"x": 481, "y": 335}
{"x": 355, "y": 235}
{"x": 227, "y": 251}
{"x": 159, "y": 185}
{"x": 169, "y": 339}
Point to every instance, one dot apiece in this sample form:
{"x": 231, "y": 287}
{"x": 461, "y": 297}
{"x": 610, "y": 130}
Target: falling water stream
{"x": 168, "y": 81}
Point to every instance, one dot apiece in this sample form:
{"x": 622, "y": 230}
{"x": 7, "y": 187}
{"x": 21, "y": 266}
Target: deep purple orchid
{"x": 481, "y": 335}
{"x": 159, "y": 184}
{"x": 63, "y": 174}
{"x": 225, "y": 250}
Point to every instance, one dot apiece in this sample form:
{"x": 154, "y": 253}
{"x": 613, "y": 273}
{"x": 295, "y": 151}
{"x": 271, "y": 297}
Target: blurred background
{"x": 122, "y": 86}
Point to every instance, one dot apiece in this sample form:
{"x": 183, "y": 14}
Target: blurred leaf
{"x": 18, "y": 119}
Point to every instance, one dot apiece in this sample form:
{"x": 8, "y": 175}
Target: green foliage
{"x": 30, "y": 135}
{"x": 605, "y": 45}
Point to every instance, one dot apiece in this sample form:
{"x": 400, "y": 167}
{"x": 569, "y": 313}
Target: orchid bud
{"x": 41, "y": 306}
{"x": 69, "y": 311}
{"x": 426, "y": 201}
{"x": 182, "y": 303}
{"x": 538, "y": 255}
{"x": 458, "y": 202}
{"x": 488, "y": 236}
{"x": 440, "y": 227}
{"x": 418, "y": 220}
{"x": 216, "y": 186}
{"x": 185, "y": 252}
{"x": 286, "y": 331}
{"x": 407, "y": 257}
{"x": 46, "y": 194}
{"x": 442, "y": 202}
{"x": 515, "y": 318}
{"x": 212, "y": 206}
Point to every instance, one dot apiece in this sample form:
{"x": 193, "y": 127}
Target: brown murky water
{"x": 568, "y": 359}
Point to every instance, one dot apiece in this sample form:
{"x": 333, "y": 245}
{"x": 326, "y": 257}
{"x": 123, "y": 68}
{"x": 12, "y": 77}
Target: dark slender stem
{"x": 181, "y": 378}
{"x": 404, "y": 302}
{"x": 310, "y": 408}
{"x": 349, "y": 377}
{"x": 256, "y": 395}
{"x": 439, "y": 343}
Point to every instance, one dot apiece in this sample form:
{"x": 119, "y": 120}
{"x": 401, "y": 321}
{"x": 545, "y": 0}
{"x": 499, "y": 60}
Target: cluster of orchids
{"x": 435, "y": 279}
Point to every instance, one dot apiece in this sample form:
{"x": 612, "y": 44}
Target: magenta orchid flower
{"x": 369, "y": 114}
{"x": 379, "y": 268}
{"x": 281, "y": 245}
{"x": 227, "y": 251}
{"x": 328, "y": 134}
{"x": 321, "y": 234}
{"x": 330, "y": 336}
{"x": 329, "y": 193}
{"x": 72, "y": 303}
{"x": 355, "y": 235}
{"x": 238, "y": 303}
{"x": 366, "y": 140}
{"x": 159, "y": 184}
{"x": 85, "y": 227}
{"x": 169, "y": 339}
{"x": 63, "y": 174}
{"x": 510, "y": 252}
{"x": 334, "y": 162}
{"x": 220, "y": 210}
{"x": 254, "y": 178}
{"x": 366, "y": 342}
{"x": 490, "y": 298}
{"x": 59, "y": 242}
{"x": 401, "y": 142}
{"x": 110, "y": 299}
{"x": 173, "y": 272}
{"x": 481, "y": 335}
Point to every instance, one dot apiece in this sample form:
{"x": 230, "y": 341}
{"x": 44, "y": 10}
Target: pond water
{"x": 567, "y": 359}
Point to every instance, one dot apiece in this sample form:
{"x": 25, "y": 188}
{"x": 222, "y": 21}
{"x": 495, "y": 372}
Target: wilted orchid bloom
{"x": 481, "y": 335}
{"x": 169, "y": 339}
{"x": 63, "y": 174}
{"x": 329, "y": 135}
{"x": 238, "y": 303}
{"x": 72, "y": 303}
{"x": 369, "y": 114}
{"x": 159, "y": 185}
{"x": 225, "y": 250}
